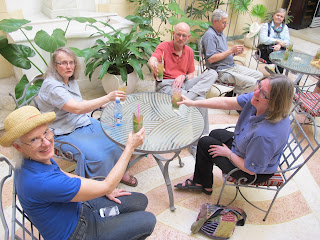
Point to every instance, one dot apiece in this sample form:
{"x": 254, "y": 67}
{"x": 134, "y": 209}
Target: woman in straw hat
{"x": 60, "y": 93}
{"x": 62, "y": 205}
{"x": 274, "y": 35}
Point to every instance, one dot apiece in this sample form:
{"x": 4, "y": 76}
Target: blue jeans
{"x": 133, "y": 222}
{"x": 99, "y": 153}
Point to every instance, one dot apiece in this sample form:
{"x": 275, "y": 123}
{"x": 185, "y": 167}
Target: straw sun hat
{"x": 22, "y": 121}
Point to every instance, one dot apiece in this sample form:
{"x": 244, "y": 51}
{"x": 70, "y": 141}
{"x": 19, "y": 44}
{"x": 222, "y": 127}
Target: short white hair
{"x": 218, "y": 14}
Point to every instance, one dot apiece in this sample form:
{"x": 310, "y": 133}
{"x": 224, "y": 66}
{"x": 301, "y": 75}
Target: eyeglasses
{"x": 37, "y": 142}
{"x": 181, "y": 35}
{"x": 261, "y": 92}
{"x": 224, "y": 22}
{"x": 65, "y": 63}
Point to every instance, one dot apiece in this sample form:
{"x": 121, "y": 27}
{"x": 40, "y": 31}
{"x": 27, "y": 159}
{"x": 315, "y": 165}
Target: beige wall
{"x": 122, "y": 7}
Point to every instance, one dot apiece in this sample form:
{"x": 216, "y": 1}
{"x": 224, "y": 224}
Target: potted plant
{"x": 20, "y": 55}
{"x": 119, "y": 54}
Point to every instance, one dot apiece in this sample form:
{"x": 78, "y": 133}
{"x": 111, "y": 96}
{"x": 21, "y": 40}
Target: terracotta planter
{"x": 110, "y": 83}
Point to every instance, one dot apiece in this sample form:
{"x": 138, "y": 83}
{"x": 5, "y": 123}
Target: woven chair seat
{"x": 310, "y": 102}
{"x": 276, "y": 180}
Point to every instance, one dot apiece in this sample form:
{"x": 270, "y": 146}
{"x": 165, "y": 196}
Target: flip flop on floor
{"x": 190, "y": 185}
{"x": 132, "y": 182}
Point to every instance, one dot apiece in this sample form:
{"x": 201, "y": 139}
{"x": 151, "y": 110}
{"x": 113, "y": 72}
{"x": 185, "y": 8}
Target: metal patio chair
{"x": 298, "y": 151}
{"x": 21, "y": 226}
{"x": 307, "y": 101}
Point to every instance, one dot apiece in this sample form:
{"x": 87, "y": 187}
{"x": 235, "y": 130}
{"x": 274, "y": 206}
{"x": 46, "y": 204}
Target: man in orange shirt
{"x": 179, "y": 69}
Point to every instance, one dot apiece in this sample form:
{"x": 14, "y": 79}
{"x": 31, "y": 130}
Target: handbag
{"x": 218, "y": 222}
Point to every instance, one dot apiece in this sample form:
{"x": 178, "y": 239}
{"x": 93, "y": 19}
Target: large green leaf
{"x": 104, "y": 69}
{"x": 3, "y": 42}
{"x": 138, "y": 19}
{"x": 18, "y": 55}
{"x": 79, "y": 19}
{"x": 30, "y": 92}
{"x": 173, "y": 6}
{"x": 173, "y": 20}
{"x": 136, "y": 66}
{"x": 259, "y": 11}
{"x": 50, "y": 43}
{"x": 135, "y": 50}
{"x": 12, "y": 25}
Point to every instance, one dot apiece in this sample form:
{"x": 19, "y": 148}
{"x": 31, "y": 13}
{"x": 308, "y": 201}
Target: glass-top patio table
{"x": 297, "y": 62}
{"x": 166, "y": 131}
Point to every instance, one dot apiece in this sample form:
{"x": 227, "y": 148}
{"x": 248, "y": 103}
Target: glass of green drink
{"x": 137, "y": 121}
{"x": 176, "y": 97}
{"x": 160, "y": 70}
{"x": 286, "y": 55}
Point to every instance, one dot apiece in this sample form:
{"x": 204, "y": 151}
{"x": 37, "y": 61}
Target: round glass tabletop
{"x": 166, "y": 130}
{"x": 297, "y": 62}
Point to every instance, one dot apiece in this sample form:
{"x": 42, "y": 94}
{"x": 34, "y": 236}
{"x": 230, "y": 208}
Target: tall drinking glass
{"x": 160, "y": 71}
{"x": 137, "y": 121}
{"x": 176, "y": 97}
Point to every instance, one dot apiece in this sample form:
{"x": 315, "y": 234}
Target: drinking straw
{"x": 117, "y": 79}
{"x": 162, "y": 56}
{"x": 138, "y": 117}
{"x": 180, "y": 85}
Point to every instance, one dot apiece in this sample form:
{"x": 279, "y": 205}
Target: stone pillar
{"x": 54, "y": 8}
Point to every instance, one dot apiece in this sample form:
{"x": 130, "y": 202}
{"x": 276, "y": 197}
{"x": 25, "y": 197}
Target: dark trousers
{"x": 204, "y": 162}
{"x": 265, "y": 56}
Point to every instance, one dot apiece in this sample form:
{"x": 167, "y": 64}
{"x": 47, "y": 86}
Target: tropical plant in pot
{"x": 21, "y": 56}
{"x": 118, "y": 53}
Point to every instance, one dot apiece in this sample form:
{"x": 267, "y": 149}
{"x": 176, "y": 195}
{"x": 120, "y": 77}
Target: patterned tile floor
{"x": 295, "y": 214}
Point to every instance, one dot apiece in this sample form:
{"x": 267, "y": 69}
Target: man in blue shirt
{"x": 220, "y": 58}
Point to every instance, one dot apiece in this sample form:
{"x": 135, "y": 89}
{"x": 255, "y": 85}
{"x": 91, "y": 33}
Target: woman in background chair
{"x": 274, "y": 35}
{"x": 256, "y": 145}
{"x": 60, "y": 93}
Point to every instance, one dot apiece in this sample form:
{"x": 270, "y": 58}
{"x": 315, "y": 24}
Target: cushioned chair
{"x": 307, "y": 101}
{"x": 297, "y": 152}
{"x": 228, "y": 82}
{"x": 21, "y": 226}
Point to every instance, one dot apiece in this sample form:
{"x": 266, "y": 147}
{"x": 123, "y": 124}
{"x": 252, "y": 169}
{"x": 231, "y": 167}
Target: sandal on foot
{"x": 132, "y": 182}
{"x": 206, "y": 191}
{"x": 189, "y": 184}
